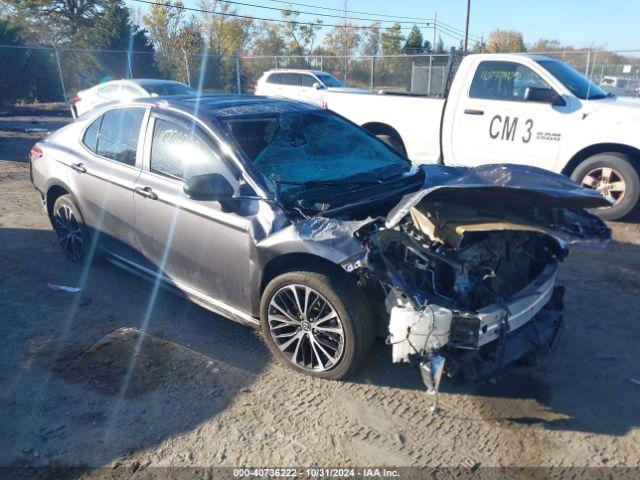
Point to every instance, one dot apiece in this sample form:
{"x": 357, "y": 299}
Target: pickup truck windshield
{"x": 329, "y": 81}
{"x": 577, "y": 83}
{"x": 311, "y": 147}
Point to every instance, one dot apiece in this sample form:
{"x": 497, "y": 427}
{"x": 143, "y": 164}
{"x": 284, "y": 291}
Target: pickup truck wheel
{"x": 393, "y": 143}
{"x": 616, "y": 177}
{"x": 316, "y": 322}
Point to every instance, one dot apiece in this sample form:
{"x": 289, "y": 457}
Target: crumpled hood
{"x": 517, "y": 185}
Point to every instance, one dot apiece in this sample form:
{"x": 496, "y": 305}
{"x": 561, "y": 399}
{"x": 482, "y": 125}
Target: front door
{"x": 494, "y": 124}
{"x": 196, "y": 243}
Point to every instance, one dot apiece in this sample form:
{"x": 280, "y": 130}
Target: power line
{"x": 351, "y": 11}
{"x": 252, "y": 17}
{"x": 235, "y": 2}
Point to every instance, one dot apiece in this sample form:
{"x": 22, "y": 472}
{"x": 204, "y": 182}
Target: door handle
{"x": 470, "y": 111}
{"x": 146, "y": 192}
{"x": 79, "y": 167}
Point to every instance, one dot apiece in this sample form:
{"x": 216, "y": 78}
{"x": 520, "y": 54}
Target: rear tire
{"x": 73, "y": 235}
{"x": 616, "y": 176}
{"x": 339, "y": 343}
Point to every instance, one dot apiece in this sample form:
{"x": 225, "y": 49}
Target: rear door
{"x": 494, "y": 124}
{"x": 195, "y": 243}
{"x": 103, "y": 179}
{"x": 290, "y": 86}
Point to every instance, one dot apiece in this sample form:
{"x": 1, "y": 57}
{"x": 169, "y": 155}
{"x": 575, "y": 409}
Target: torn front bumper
{"x": 479, "y": 344}
{"x": 537, "y": 335}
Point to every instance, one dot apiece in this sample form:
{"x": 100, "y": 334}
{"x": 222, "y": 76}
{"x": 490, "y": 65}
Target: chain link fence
{"x": 47, "y": 74}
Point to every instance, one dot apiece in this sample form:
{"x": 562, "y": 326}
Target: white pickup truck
{"x": 523, "y": 109}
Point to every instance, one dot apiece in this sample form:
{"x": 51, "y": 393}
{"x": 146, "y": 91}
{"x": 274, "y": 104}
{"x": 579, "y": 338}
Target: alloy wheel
{"x": 608, "y": 181}
{"x": 69, "y": 232}
{"x": 306, "y": 328}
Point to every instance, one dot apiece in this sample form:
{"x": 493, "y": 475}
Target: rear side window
{"x": 90, "y": 138}
{"x": 118, "y": 134}
{"x": 504, "y": 81}
{"x": 274, "y": 78}
{"x": 182, "y": 152}
{"x": 290, "y": 79}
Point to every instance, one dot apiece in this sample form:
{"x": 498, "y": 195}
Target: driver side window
{"x": 181, "y": 151}
{"x": 497, "y": 80}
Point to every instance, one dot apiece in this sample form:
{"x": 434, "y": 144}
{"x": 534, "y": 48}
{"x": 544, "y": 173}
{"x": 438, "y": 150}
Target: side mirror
{"x": 543, "y": 95}
{"x": 211, "y": 186}
{"x": 317, "y": 85}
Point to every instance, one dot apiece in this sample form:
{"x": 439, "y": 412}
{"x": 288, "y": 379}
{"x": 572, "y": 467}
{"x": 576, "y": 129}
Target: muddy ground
{"x": 205, "y": 392}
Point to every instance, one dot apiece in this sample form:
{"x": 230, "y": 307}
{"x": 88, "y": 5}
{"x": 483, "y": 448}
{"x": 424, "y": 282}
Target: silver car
{"x": 290, "y": 218}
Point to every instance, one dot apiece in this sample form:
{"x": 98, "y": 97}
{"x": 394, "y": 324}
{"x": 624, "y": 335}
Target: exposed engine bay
{"x": 468, "y": 274}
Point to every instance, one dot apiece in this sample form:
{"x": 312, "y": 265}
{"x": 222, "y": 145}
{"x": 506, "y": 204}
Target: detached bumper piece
{"x": 537, "y": 335}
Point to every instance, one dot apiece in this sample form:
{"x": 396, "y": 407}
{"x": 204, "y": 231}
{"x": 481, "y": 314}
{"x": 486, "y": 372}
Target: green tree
{"x": 164, "y": 23}
{"x": 270, "y": 40}
{"x": 343, "y": 41}
{"x": 299, "y": 38}
{"x": 427, "y": 47}
{"x": 414, "y": 42}
{"x": 371, "y": 40}
{"x": 392, "y": 39}
{"x": 503, "y": 41}
{"x": 66, "y": 20}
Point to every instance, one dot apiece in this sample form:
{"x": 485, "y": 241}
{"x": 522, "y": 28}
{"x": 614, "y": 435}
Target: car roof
{"x": 296, "y": 70}
{"x": 228, "y": 105}
{"x": 139, "y": 81}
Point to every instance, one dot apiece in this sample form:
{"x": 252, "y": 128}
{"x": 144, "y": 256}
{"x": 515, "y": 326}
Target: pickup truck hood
{"x": 348, "y": 90}
{"x": 619, "y": 107}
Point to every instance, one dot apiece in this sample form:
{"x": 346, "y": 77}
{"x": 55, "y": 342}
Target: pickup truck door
{"x": 493, "y": 123}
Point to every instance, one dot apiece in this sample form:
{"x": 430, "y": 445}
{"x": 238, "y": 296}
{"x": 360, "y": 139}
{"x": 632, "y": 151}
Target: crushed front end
{"x": 469, "y": 273}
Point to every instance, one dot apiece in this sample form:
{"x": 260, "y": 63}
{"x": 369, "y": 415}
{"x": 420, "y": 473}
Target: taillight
{"x": 75, "y": 99}
{"x": 36, "y": 152}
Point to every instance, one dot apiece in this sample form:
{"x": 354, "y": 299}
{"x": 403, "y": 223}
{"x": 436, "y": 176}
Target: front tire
{"x": 316, "y": 322}
{"x": 615, "y": 175}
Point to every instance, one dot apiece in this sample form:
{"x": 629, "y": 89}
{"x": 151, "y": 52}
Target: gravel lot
{"x": 205, "y": 391}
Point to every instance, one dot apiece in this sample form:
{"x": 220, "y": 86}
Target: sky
{"x": 612, "y": 24}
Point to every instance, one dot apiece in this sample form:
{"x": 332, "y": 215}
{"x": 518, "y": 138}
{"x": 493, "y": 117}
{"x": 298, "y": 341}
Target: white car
{"x": 86, "y": 100}
{"x": 519, "y": 109}
{"x": 304, "y": 85}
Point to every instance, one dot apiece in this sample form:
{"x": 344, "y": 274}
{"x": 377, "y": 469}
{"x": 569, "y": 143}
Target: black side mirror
{"x": 211, "y": 186}
{"x": 543, "y": 95}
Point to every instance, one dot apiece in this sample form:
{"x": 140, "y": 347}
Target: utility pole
{"x": 433, "y": 45}
{"x": 466, "y": 27}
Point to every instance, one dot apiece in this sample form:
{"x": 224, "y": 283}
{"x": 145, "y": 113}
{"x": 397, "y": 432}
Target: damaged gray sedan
{"x": 284, "y": 216}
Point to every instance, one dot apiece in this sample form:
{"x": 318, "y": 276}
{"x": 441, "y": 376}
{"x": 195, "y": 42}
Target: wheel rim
{"x": 69, "y": 232}
{"x": 608, "y": 181}
{"x": 306, "y": 328}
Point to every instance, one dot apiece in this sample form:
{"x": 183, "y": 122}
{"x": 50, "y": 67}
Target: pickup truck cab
{"x": 518, "y": 109}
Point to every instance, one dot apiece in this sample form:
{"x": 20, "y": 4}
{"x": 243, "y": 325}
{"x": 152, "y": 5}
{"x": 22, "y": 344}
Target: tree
{"x": 544, "y": 45}
{"x": 163, "y": 24}
{"x": 66, "y": 20}
{"x": 414, "y": 42}
{"x": 392, "y": 40}
{"x": 426, "y": 47}
{"x": 299, "y": 38}
{"x": 503, "y": 41}
{"x": 343, "y": 41}
{"x": 480, "y": 47}
{"x": 371, "y": 40}
{"x": 270, "y": 41}
{"x": 225, "y": 36}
